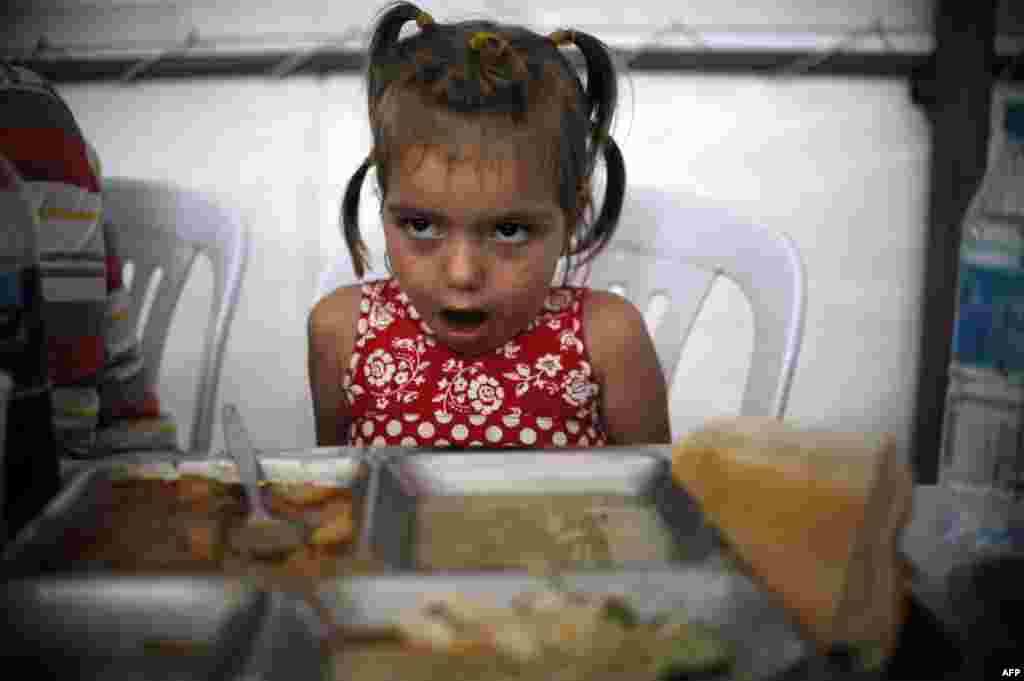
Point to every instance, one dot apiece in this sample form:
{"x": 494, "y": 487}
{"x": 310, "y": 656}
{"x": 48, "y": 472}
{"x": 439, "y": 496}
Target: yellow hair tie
{"x": 480, "y": 38}
{"x": 423, "y": 20}
{"x": 560, "y": 38}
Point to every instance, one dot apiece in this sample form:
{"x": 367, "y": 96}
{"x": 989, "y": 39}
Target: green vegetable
{"x": 871, "y": 657}
{"x": 696, "y": 651}
{"x": 620, "y": 611}
{"x": 862, "y": 656}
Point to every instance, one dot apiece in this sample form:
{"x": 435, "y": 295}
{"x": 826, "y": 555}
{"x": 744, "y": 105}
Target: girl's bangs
{"x": 410, "y": 121}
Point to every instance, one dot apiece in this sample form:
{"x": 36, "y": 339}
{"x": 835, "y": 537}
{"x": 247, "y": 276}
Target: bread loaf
{"x": 814, "y": 517}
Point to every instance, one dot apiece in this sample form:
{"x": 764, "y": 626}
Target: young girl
{"x": 485, "y": 143}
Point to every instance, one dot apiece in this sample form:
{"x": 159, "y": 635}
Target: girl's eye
{"x": 511, "y": 233}
{"x": 420, "y": 228}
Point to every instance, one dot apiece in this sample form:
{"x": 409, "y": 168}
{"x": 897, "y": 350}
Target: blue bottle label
{"x": 10, "y": 288}
{"x": 989, "y": 332}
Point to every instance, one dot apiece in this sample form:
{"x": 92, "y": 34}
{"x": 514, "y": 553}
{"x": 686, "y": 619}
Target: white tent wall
{"x": 838, "y": 163}
{"x": 119, "y": 21}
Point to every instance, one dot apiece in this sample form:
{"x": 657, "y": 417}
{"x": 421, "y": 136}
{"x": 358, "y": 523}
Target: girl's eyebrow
{"x": 406, "y": 209}
{"x": 530, "y": 215}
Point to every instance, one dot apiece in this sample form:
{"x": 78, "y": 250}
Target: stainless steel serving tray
{"x": 92, "y": 627}
{"x": 37, "y": 548}
{"x": 408, "y": 481}
{"x": 99, "y": 627}
{"x": 766, "y": 643}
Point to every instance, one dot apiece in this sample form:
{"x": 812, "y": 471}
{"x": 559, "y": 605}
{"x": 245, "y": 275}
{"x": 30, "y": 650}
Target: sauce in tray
{"x": 516, "y": 531}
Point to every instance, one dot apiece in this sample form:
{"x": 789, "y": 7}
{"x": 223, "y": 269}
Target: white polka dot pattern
{"x": 403, "y": 388}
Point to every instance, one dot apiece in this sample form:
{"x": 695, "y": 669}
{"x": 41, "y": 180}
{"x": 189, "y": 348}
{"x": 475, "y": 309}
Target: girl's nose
{"x": 465, "y": 265}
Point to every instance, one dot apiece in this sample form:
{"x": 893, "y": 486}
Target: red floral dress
{"x": 405, "y": 389}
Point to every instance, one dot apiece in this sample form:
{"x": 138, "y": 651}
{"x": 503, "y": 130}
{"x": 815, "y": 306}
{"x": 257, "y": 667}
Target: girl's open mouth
{"x": 463, "y": 319}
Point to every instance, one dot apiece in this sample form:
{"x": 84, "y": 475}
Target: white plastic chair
{"x": 163, "y": 226}
{"x": 675, "y": 246}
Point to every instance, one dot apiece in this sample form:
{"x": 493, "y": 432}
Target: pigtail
{"x": 602, "y": 85}
{"x": 379, "y": 75}
{"x": 350, "y": 219}
{"x": 601, "y": 96}
{"x": 602, "y": 229}
{"x": 385, "y": 35}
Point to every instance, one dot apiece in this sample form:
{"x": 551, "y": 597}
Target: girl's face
{"x": 473, "y": 244}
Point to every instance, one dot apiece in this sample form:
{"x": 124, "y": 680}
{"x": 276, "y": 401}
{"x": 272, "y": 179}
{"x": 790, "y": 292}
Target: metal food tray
{"x": 36, "y": 549}
{"x": 124, "y": 628}
{"x": 407, "y": 481}
{"x": 766, "y": 643}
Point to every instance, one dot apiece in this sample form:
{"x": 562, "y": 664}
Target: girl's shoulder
{"x": 600, "y": 310}
{"x": 342, "y": 306}
{"x": 611, "y": 324}
{"x": 599, "y": 304}
{"x": 332, "y": 322}
{"x": 337, "y": 307}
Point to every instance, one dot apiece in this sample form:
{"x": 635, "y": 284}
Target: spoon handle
{"x": 240, "y": 449}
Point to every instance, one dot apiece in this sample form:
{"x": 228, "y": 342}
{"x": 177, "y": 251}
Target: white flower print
{"x": 569, "y": 339}
{"x": 381, "y": 315}
{"x": 377, "y": 315}
{"x": 577, "y": 388}
{"x": 469, "y": 390}
{"x": 395, "y": 376}
{"x": 547, "y": 366}
{"x": 554, "y": 324}
{"x": 353, "y": 392}
{"x": 486, "y": 394}
{"x": 379, "y": 368}
{"x": 550, "y": 365}
{"x": 509, "y": 350}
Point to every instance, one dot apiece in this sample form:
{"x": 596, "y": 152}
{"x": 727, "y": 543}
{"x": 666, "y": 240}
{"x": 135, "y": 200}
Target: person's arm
{"x": 634, "y": 396}
{"x": 331, "y": 332}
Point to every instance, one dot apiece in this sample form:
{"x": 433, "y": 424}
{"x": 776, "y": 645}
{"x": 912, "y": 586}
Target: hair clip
{"x": 423, "y": 20}
{"x": 479, "y": 39}
{"x": 562, "y": 37}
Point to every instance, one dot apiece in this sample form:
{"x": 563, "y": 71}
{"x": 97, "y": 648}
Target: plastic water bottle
{"x": 982, "y": 464}
{"x": 988, "y": 339}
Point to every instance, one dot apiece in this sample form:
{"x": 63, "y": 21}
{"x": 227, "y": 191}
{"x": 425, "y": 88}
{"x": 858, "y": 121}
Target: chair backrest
{"x": 163, "y": 227}
{"x": 673, "y": 247}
